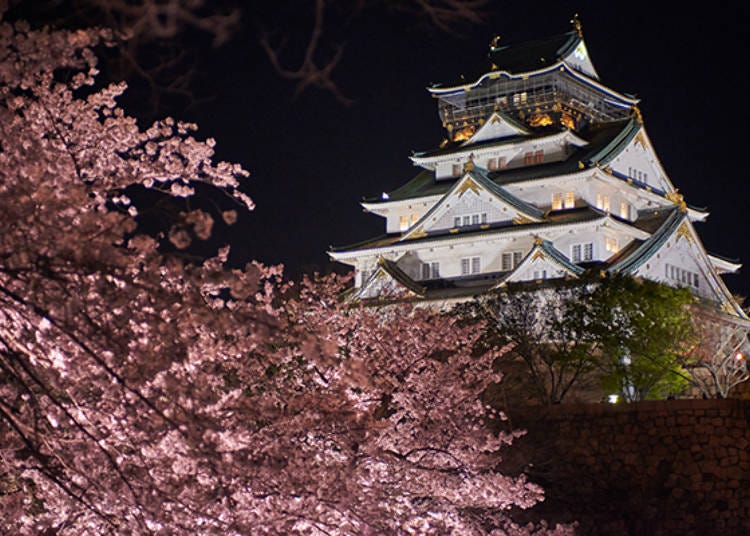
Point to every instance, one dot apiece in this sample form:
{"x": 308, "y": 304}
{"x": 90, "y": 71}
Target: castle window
{"x": 539, "y": 157}
{"x": 570, "y": 199}
{"x": 557, "y": 201}
{"x": 625, "y": 210}
{"x": 528, "y": 159}
{"x": 520, "y": 98}
{"x": 610, "y": 244}
{"x": 602, "y": 202}
{"x": 510, "y": 260}
{"x": 582, "y": 252}
{"x": 430, "y": 270}
{"x": 414, "y": 219}
{"x": 493, "y": 164}
{"x": 403, "y": 223}
{"x": 470, "y": 265}
{"x": 457, "y": 169}
{"x": 588, "y": 251}
{"x": 680, "y": 275}
{"x": 469, "y": 219}
{"x": 540, "y": 274}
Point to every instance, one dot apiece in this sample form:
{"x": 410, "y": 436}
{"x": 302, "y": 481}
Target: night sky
{"x": 312, "y": 159}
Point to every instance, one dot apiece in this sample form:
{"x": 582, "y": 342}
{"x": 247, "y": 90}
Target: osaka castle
{"x": 545, "y": 174}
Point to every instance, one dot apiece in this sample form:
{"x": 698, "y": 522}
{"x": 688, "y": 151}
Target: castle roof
{"x": 533, "y": 55}
{"x": 554, "y": 219}
{"x": 605, "y": 141}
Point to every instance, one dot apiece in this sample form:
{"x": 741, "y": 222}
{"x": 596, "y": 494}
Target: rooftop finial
{"x": 495, "y": 43}
{"x": 469, "y": 165}
{"x": 576, "y": 22}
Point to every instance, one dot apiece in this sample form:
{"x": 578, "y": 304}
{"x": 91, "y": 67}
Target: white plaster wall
{"x": 677, "y": 253}
{"x": 415, "y": 207}
{"x": 639, "y": 156}
{"x": 468, "y": 203}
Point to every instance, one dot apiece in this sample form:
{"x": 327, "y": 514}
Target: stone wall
{"x": 651, "y": 468}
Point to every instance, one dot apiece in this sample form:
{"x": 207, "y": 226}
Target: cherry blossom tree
{"x": 142, "y": 394}
{"x": 718, "y": 360}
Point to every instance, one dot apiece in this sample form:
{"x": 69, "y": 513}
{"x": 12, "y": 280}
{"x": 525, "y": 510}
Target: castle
{"x": 545, "y": 174}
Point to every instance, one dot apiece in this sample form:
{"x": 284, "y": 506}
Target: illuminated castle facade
{"x": 545, "y": 174}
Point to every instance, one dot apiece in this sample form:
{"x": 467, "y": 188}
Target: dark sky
{"x": 312, "y": 159}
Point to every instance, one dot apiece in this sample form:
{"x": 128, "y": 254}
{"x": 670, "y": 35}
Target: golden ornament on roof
{"x": 576, "y": 22}
{"x": 567, "y": 122}
{"x": 675, "y": 197}
{"x": 540, "y": 120}
{"x": 464, "y": 134}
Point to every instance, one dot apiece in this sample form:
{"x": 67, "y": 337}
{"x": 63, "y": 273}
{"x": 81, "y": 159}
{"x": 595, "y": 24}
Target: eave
{"x": 476, "y": 179}
{"x": 559, "y": 65}
{"x": 545, "y": 250}
{"x": 428, "y": 161}
{"x": 724, "y": 266}
{"x": 393, "y": 246}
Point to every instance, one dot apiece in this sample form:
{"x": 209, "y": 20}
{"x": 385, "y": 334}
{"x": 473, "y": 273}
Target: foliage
{"x": 718, "y": 361}
{"x": 631, "y": 333}
{"x": 544, "y": 334}
{"x": 139, "y": 394}
{"x": 643, "y": 329}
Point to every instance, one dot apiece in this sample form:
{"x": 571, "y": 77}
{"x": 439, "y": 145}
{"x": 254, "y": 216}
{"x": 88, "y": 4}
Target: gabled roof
{"x": 475, "y": 179}
{"x": 677, "y": 223}
{"x": 667, "y": 227}
{"x": 616, "y": 145}
{"x": 543, "y": 254}
{"x": 390, "y": 271}
{"x": 497, "y": 126}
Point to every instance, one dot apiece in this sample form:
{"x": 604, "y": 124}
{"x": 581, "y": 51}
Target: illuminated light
{"x": 568, "y": 122}
{"x": 613, "y": 399}
{"x": 464, "y": 134}
{"x": 385, "y": 196}
{"x": 739, "y": 356}
{"x": 540, "y": 120}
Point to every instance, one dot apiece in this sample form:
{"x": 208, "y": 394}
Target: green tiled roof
{"x": 481, "y": 175}
{"x": 647, "y": 248}
{"x": 558, "y": 257}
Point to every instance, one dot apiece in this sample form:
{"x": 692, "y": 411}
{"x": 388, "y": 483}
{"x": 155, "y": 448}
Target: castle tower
{"x": 545, "y": 173}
